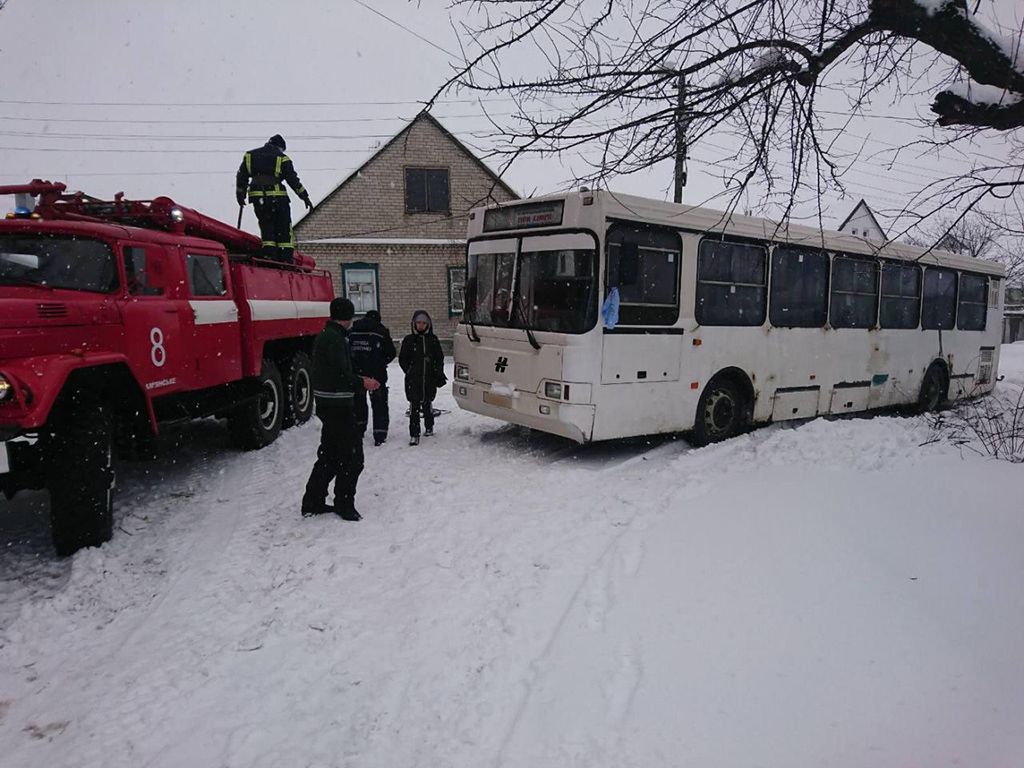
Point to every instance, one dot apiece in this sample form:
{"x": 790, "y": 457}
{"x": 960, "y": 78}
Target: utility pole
{"x": 681, "y": 148}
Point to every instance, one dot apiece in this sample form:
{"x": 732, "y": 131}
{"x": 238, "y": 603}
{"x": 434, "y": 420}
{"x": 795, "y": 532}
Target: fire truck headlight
{"x": 462, "y": 372}
{"x": 6, "y": 390}
{"x": 553, "y": 389}
{"x": 176, "y": 215}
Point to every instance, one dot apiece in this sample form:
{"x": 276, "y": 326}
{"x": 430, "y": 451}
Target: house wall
{"x": 410, "y": 277}
{"x": 370, "y": 205}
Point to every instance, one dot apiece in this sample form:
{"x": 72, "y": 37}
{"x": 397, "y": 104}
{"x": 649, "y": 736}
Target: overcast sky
{"x": 163, "y": 99}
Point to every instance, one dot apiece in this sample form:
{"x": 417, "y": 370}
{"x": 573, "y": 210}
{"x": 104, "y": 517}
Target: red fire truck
{"x": 118, "y": 316}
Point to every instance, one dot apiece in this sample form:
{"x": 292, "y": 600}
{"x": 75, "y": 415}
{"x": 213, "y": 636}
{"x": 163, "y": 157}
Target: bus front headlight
{"x": 553, "y": 389}
{"x": 462, "y": 372}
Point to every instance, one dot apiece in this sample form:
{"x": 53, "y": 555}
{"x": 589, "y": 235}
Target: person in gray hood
{"x": 422, "y": 359}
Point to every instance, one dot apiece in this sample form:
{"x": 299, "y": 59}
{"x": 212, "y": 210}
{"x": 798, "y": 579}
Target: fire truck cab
{"x": 119, "y": 316}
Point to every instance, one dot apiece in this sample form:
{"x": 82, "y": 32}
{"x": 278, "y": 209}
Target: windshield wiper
{"x": 522, "y": 316}
{"x": 471, "y": 332}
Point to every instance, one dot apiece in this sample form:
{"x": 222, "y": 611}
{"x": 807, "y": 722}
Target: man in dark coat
{"x": 335, "y": 387}
{"x": 422, "y": 359}
{"x": 261, "y": 173}
{"x": 372, "y": 350}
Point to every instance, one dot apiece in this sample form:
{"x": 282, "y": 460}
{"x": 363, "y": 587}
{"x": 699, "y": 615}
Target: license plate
{"x": 5, "y": 462}
{"x": 503, "y": 401}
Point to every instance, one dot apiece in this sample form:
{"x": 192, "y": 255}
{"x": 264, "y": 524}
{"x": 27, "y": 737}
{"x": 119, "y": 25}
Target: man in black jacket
{"x": 261, "y": 173}
{"x": 335, "y": 387}
{"x": 372, "y": 350}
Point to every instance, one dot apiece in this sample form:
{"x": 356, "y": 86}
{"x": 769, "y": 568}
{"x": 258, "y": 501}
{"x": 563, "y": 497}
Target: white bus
{"x": 723, "y": 321}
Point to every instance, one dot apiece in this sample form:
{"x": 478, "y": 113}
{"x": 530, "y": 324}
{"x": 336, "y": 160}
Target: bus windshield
{"x": 57, "y": 262}
{"x": 534, "y": 283}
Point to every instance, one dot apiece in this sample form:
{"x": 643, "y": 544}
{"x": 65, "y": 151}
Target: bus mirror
{"x": 629, "y": 264}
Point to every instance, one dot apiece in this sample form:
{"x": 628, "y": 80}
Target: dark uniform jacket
{"x": 335, "y": 382}
{"x": 422, "y": 359}
{"x": 267, "y": 167}
{"x": 372, "y": 348}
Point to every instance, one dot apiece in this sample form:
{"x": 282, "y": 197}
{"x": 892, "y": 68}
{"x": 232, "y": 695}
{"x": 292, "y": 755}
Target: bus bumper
{"x": 572, "y": 420}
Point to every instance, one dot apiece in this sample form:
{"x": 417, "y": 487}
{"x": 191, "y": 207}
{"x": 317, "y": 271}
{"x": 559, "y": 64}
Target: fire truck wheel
{"x": 298, "y": 389}
{"x": 81, "y": 481}
{"x": 258, "y": 423}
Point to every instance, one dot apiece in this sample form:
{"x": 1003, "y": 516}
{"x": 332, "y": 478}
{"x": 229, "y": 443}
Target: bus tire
{"x": 722, "y": 412}
{"x": 81, "y": 475}
{"x": 298, "y": 390}
{"x": 258, "y": 422}
{"x": 934, "y": 389}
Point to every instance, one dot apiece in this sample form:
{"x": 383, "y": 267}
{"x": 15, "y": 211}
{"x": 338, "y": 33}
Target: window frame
{"x": 225, "y": 291}
{"x": 361, "y": 266}
{"x": 149, "y": 257}
{"x": 698, "y": 308}
{"x": 960, "y": 301}
{"x": 882, "y": 296}
{"x": 452, "y": 270}
{"x": 825, "y": 296}
{"x": 425, "y": 172}
{"x": 646, "y": 313}
{"x": 856, "y": 258}
{"x": 924, "y": 298}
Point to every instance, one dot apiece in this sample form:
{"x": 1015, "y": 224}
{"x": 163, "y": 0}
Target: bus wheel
{"x": 81, "y": 475}
{"x": 258, "y": 422}
{"x": 722, "y": 412}
{"x": 298, "y": 389}
{"x": 934, "y": 389}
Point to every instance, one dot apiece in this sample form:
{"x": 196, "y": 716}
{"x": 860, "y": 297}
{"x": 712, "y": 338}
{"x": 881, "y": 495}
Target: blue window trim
{"x": 452, "y": 312}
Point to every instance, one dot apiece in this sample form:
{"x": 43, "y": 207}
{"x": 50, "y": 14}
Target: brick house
{"x": 393, "y": 234}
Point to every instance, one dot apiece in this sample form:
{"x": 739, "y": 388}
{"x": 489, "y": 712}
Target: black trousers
{"x": 339, "y": 458}
{"x": 274, "y": 215}
{"x": 415, "y": 407}
{"x": 381, "y": 417}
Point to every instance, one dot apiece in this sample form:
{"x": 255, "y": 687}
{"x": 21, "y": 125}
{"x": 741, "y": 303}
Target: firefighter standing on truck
{"x": 267, "y": 167}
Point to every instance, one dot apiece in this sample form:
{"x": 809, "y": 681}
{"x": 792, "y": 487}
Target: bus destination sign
{"x": 546, "y": 214}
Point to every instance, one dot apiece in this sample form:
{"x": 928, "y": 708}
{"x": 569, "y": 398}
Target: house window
{"x": 426, "y": 190}
{"x": 361, "y": 286}
{"x": 456, "y": 290}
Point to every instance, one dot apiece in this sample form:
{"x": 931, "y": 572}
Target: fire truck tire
{"x": 298, "y": 389}
{"x": 258, "y": 423}
{"x": 81, "y": 481}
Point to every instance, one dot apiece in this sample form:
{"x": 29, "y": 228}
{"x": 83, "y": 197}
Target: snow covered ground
{"x": 836, "y": 592}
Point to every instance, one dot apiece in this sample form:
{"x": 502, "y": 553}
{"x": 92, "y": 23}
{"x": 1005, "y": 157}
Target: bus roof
{"x": 698, "y": 219}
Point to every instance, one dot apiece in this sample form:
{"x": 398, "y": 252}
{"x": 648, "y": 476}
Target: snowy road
{"x": 827, "y": 593}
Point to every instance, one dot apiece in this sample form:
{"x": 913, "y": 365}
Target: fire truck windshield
{"x": 57, "y": 262}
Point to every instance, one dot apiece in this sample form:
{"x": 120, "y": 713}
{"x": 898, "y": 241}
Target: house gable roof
{"x": 426, "y": 117}
{"x": 867, "y": 209}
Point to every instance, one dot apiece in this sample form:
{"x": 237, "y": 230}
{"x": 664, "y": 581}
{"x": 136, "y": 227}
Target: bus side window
{"x": 141, "y": 270}
{"x": 644, "y": 264}
{"x": 732, "y": 284}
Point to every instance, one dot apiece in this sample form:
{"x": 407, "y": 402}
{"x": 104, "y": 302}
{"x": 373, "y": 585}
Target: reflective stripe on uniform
{"x": 248, "y": 163}
{"x": 333, "y": 395}
{"x": 277, "y": 166}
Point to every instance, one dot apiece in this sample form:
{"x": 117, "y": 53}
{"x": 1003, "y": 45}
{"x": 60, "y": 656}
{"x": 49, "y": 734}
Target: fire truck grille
{"x": 53, "y": 310}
